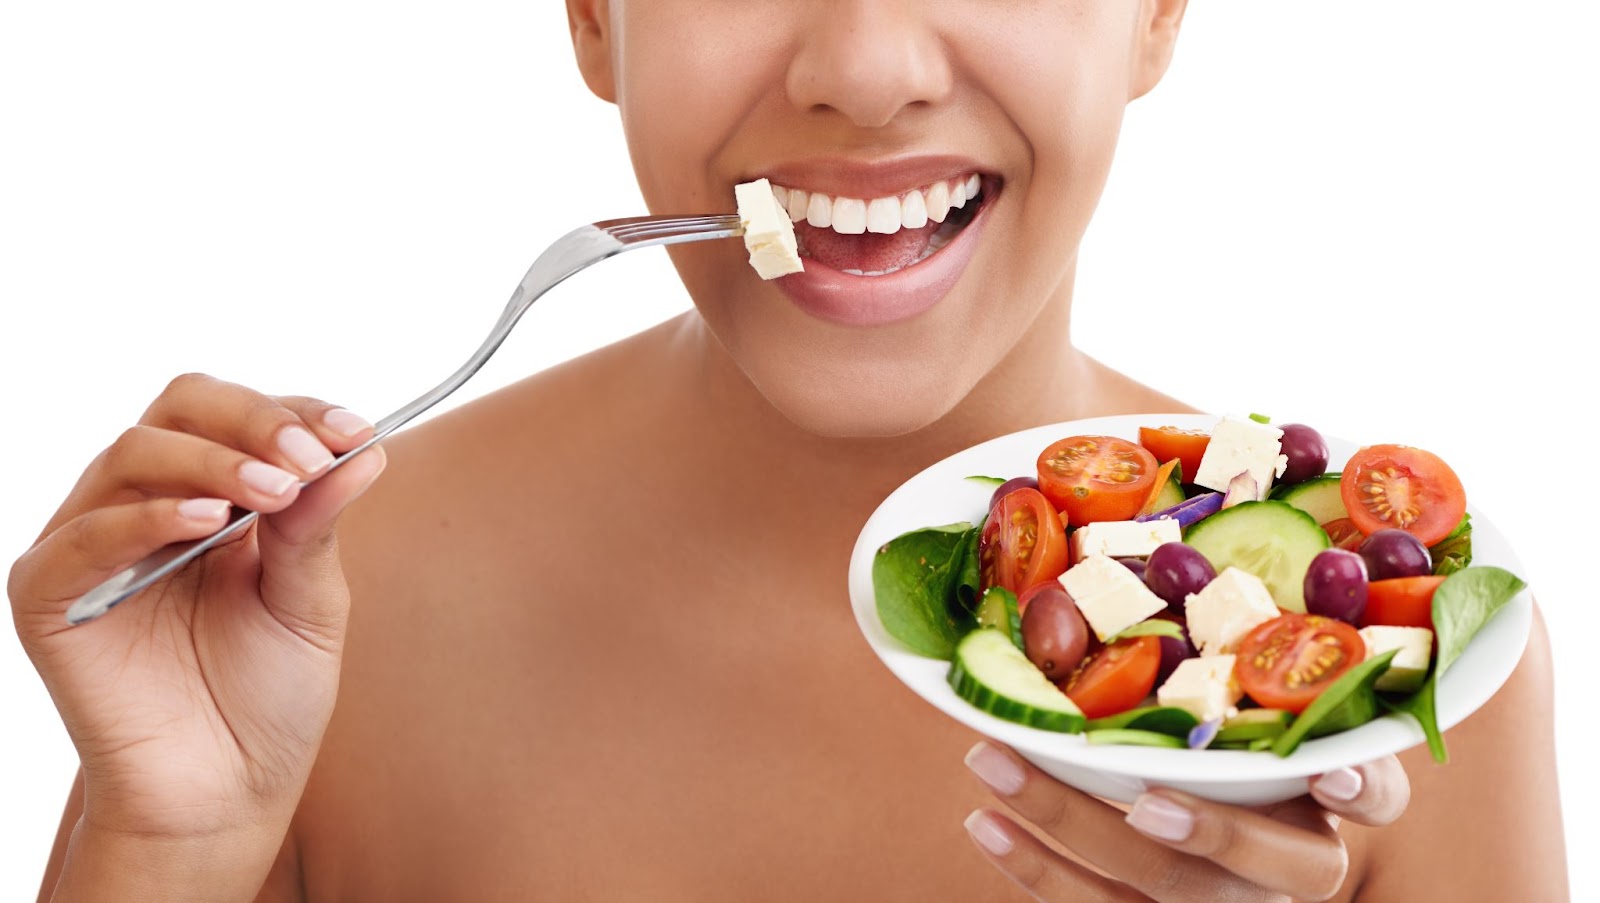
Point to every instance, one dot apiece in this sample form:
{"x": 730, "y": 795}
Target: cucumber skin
{"x": 1129, "y": 737}
{"x": 1292, "y": 597}
{"x": 974, "y": 691}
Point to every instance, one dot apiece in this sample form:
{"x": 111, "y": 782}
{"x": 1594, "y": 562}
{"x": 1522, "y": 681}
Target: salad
{"x": 1198, "y": 589}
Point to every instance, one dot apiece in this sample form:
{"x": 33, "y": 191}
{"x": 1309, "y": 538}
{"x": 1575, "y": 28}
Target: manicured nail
{"x": 345, "y": 423}
{"x": 1341, "y": 784}
{"x": 203, "y": 510}
{"x": 987, "y": 833}
{"x": 995, "y": 769}
{"x": 263, "y": 477}
{"x": 303, "y": 449}
{"x": 1161, "y": 818}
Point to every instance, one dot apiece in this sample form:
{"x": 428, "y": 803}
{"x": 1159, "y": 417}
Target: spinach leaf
{"x": 967, "y": 572}
{"x": 1419, "y": 705}
{"x": 1160, "y": 719}
{"x": 1348, "y": 702}
{"x": 1465, "y": 602}
{"x": 987, "y": 481}
{"x": 1454, "y": 552}
{"x": 913, "y": 580}
{"x": 1462, "y": 604}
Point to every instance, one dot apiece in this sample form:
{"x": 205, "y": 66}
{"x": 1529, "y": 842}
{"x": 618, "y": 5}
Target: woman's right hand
{"x": 198, "y": 706}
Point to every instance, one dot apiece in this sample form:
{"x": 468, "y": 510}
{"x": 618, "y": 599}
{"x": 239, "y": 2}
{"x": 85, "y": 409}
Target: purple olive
{"x": 1013, "y": 483}
{"x": 1307, "y": 452}
{"x": 1134, "y": 564}
{"x": 1054, "y": 635}
{"x": 1172, "y": 652}
{"x": 1395, "y": 553}
{"x": 1175, "y": 570}
{"x": 1336, "y": 585}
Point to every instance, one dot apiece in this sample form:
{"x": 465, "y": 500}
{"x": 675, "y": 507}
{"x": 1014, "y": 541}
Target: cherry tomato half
{"x": 1097, "y": 478}
{"x": 1401, "y": 601}
{"x": 1344, "y": 534}
{"x": 1286, "y": 662}
{"x": 1168, "y": 442}
{"x": 1116, "y": 678}
{"x": 1403, "y": 487}
{"x": 1023, "y": 543}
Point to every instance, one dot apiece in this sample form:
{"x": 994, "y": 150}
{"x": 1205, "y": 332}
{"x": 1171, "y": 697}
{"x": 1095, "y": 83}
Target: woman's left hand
{"x": 1173, "y": 846}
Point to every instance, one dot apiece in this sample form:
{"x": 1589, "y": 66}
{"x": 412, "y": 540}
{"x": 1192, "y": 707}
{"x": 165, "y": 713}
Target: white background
{"x": 1379, "y": 220}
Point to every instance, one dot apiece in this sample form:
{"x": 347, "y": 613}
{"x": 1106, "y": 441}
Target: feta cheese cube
{"x": 1204, "y": 687}
{"x": 768, "y": 231}
{"x": 1228, "y": 608}
{"x": 1409, "y": 666}
{"x": 1108, "y": 595}
{"x": 1123, "y": 538}
{"x": 1242, "y": 446}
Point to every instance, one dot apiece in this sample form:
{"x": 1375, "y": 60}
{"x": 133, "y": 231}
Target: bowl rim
{"x": 941, "y": 488}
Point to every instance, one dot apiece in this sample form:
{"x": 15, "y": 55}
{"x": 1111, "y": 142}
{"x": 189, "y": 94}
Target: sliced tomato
{"x": 1097, "y": 478}
{"x": 1401, "y": 601}
{"x": 1344, "y": 533}
{"x": 1169, "y": 443}
{"x": 1023, "y": 543}
{"x": 1116, "y": 678}
{"x": 1403, "y": 487}
{"x": 1286, "y": 662}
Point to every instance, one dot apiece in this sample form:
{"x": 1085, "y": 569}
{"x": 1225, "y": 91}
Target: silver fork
{"x": 577, "y": 250}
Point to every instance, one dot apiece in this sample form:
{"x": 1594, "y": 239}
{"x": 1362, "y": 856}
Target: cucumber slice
{"x": 1318, "y": 497}
{"x": 1126, "y": 737}
{"x": 1255, "y": 724}
{"x": 994, "y": 675}
{"x": 1171, "y": 493}
{"x": 999, "y": 610}
{"x": 1273, "y": 540}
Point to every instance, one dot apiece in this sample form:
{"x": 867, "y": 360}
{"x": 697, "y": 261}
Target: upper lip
{"x": 859, "y": 178}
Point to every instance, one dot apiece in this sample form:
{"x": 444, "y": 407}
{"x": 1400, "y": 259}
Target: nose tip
{"x": 868, "y": 60}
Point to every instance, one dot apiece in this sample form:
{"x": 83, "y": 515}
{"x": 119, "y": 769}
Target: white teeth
{"x": 782, "y": 195}
{"x": 913, "y": 210}
{"x": 797, "y": 204}
{"x": 849, "y": 216}
{"x": 958, "y": 194}
{"x": 820, "y": 212}
{"x": 973, "y": 184}
{"x": 938, "y": 201}
{"x": 883, "y": 216}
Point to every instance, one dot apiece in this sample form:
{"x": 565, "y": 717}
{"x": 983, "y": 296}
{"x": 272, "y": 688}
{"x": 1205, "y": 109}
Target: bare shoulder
{"x": 1486, "y": 826}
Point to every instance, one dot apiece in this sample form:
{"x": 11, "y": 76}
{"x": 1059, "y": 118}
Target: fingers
{"x": 1173, "y": 846}
{"x": 1036, "y": 868}
{"x": 147, "y": 460}
{"x": 1295, "y": 851}
{"x": 294, "y": 433}
{"x": 1372, "y": 794}
{"x": 91, "y": 547}
{"x": 301, "y": 578}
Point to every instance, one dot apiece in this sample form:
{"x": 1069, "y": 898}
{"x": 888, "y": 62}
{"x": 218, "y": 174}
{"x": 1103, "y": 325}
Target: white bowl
{"x": 941, "y": 495}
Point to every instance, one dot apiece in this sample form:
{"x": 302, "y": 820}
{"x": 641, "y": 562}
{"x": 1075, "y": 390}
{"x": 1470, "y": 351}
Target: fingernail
{"x": 345, "y": 423}
{"x": 994, "y": 768}
{"x": 1341, "y": 784}
{"x": 983, "y": 829}
{"x": 204, "y": 510}
{"x": 263, "y": 477}
{"x": 1161, "y": 818}
{"x": 303, "y": 449}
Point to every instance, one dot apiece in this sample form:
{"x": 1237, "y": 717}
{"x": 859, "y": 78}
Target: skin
{"x": 519, "y": 711}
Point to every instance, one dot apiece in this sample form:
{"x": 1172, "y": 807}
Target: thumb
{"x": 302, "y": 582}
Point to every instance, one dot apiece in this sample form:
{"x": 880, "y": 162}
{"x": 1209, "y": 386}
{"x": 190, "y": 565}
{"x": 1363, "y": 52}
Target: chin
{"x": 859, "y": 402}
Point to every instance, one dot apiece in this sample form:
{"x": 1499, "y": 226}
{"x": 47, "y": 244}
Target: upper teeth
{"x": 853, "y": 216}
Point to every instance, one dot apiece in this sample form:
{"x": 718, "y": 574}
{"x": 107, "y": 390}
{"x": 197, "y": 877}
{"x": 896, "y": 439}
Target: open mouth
{"x": 881, "y": 236}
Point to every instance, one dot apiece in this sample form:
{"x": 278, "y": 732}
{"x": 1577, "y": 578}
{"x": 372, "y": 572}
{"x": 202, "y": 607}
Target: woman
{"x": 596, "y": 642}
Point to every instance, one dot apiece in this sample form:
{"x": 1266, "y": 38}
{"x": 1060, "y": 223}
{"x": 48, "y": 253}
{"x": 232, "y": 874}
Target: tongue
{"x": 869, "y": 252}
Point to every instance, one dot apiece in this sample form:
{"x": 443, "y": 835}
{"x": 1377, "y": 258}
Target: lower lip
{"x": 839, "y": 297}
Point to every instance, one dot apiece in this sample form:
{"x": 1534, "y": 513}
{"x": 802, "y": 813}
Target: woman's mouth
{"x": 880, "y": 236}
{"x": 877, "y": 260}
